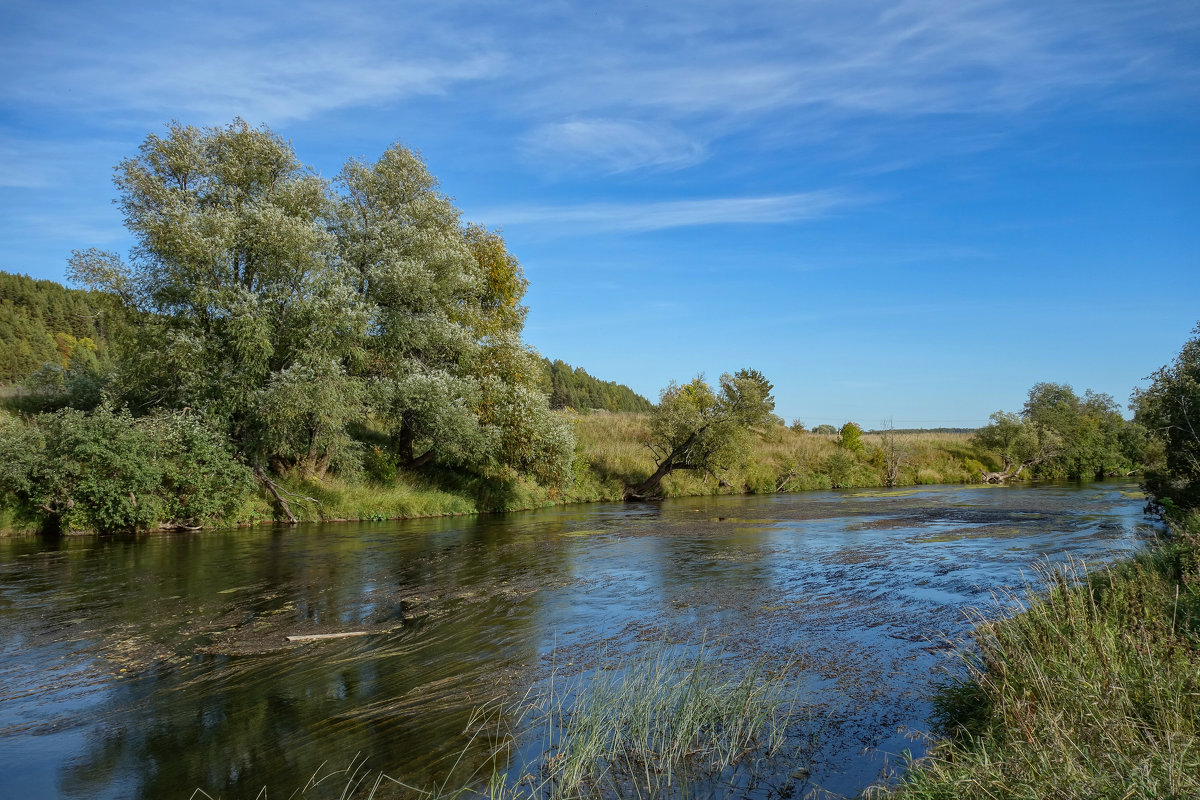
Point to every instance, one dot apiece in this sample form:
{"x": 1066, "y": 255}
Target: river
{"x": 151, "y": 667}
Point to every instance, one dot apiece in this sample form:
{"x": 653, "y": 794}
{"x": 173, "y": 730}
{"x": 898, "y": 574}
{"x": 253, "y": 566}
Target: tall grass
{"x": 665, "y": 726}
{"x": 612, "y": 452}
{"x": 654, "y": 729}
{"x": 1092, "y": 690}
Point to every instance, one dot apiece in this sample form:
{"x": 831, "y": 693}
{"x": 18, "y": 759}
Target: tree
{"x": 894, "y": 451}
{"x": 850, "y": 437}
{"x": 1017, "y": 443}
{"x": 1059, "y": 435}
{"x": 239, "y": 289}
{"x": 696, "y": 428}
{"x": 284, "y": 307}
{"x": 1170, "y": 410}
{"x": 447, "y": 372}
{"x": 422, "y": 284}
{"x": 1081, "y": 437}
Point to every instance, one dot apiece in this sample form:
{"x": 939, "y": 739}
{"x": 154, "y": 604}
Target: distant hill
{"x": 43, "y": 321}
{"x": 573, "y": 387}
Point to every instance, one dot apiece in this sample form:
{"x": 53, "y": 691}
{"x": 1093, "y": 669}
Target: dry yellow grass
{"x": 612, "y": 451}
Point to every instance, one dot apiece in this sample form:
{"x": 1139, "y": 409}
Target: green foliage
{"x": 286, "y": 307}
{"x": 695, "y": 428}
{"x": 825, "y": 429}
{"x": 1083, "y": 434}
{"x": 237, "y": 283}
{"x": 1092, "y": 692}
{"x": 380, "y": 465}
{"x": 851, "y": 437}
{"x": 42, "y": 322}
{"x": 572, "y": 387}
{"x": 109, "y": 472}
{"x": 1169, "y": 410}
{"x": 1061, "y": 435}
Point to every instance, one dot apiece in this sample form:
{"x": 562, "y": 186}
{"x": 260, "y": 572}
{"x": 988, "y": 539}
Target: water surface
{"x": 148, "y": 668}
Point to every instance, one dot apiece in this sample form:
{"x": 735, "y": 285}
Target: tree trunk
{"x": 273, "y": 488}
{"x": 1008, "y": 472}
{"x": 647, "y": 489}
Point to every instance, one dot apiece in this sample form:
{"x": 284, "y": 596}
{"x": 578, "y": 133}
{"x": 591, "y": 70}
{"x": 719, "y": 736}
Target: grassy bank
{"x": 1093, "y": 691}
{"x": 611, "y": 453}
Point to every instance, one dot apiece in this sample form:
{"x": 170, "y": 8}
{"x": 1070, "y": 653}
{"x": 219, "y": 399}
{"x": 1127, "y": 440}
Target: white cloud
{"x": 612, "y": 145}
{"x": 659, "y": 215}
{"x": 209, "y": 63}
{"x": 879, "y": 58}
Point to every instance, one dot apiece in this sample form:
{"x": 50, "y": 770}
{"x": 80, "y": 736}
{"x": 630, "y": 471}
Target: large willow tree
{"x": 285, "y": 308}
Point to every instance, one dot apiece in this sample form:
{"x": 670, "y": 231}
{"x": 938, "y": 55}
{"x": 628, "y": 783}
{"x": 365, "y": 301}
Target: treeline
{"x": 42, "y": 322}
{"x": 352, "y": 347}
{"x": 1093, "y": 690}
{"x": 314, "y": 327}
{"x": 1059, "y": 434}
{"x": 573, "y": 388}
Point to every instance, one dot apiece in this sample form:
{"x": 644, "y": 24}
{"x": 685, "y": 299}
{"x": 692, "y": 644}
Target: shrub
{"x": 851, "y": 437}
{"x": 109, "y": 472}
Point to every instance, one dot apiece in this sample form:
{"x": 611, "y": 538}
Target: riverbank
{"x": 181, "y": 640}
{"x": 611, "y": 453}
{"x": 1093, "y": 691}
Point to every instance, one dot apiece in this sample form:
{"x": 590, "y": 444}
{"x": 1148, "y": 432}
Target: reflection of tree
{"x": 232, "y": 724}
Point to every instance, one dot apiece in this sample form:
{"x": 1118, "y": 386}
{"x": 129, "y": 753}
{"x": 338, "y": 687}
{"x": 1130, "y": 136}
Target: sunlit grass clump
{"x": 654, "y": 729}
{"x": 664, "y": 726}
{"x": 1093, "y": 691}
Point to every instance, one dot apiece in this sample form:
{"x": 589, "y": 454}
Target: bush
{"x": 109, "y": 472}
{"x": 851, "y": 437}
{"x": 1170, "y": 411}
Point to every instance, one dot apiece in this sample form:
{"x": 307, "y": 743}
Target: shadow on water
{"x": 150, "y": 667}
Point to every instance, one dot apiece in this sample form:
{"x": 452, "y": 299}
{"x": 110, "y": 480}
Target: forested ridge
{"x": 43, "y": 322}
{"x": 573, "y": 387}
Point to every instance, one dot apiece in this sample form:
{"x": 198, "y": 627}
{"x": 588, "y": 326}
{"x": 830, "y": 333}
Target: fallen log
{"x": 308, "y": 637}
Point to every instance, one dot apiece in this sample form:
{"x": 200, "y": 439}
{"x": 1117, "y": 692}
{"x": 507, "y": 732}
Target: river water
{"x": 152, "y": 667}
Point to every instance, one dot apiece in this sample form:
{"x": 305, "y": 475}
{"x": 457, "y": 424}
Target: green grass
{"x": 666, "y": 725}
{"x": 612, "y": 452}
{"x": 1091, "y": 691}
{"x": 653, "y": 729}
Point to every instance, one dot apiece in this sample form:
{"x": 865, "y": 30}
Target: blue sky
{"x": 904, "y": 210}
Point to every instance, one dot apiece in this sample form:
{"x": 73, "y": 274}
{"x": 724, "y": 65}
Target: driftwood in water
{"x": 308, "y": 637}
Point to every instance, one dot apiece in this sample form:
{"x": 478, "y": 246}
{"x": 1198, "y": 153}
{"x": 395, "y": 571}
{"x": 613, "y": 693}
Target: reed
{"x": 668, "y": 725}
{"x": 1090, "y": 690}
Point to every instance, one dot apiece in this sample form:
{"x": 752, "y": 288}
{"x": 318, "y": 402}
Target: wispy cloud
{"x": 821, "y": 65}
{"x": 269, "y": 63}
{"x": 660, "y": 215}
{"x": 611, "y": 145}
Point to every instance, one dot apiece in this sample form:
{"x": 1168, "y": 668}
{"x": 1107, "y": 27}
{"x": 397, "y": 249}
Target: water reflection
{"x": 148, "y": 668}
